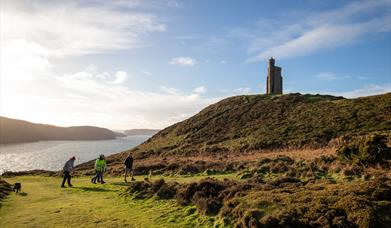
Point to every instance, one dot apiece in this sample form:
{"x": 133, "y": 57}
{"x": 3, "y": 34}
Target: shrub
{"x": 166, "y": 191}
{"x": 207, "y": 195}
{"x": 208, "y": 206}
{"x": 158, "y": 188}
{"x": 368, "y": 150}
{"x": 313, "y": 204}
{"x": 5, "y": 189}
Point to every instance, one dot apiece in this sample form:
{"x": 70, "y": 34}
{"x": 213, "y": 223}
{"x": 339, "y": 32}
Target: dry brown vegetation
{"x": 198, "y": 163}
{"x": 328, "y": 191}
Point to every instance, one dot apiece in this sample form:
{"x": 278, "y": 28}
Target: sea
{"x": 51, "y": 155}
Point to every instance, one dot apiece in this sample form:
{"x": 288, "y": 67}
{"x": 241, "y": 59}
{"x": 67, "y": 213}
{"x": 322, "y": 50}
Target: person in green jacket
{"x": 100, "y": 166}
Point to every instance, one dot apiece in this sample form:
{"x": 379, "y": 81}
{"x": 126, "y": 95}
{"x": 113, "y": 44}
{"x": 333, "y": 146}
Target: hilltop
{"x": 236, "y": 126}
{"x": 17, "y": 131}
{"x": 259, "y": 122}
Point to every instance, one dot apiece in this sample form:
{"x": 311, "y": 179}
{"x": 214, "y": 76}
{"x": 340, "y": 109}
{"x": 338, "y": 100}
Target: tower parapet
{"x": 274, "y": 78}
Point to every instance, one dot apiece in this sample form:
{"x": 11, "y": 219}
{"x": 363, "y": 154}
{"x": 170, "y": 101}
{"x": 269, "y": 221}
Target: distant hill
{"x": 119, "y": 134}
{"x": 259, "y": 122}
{"x": 17, "y": 131}
{"x": 141, "y": 131}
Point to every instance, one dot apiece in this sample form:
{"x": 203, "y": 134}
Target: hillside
{"x": 141, "y": 131}
{"x": 261, "y": 122}
{"x": 17, "y": 131}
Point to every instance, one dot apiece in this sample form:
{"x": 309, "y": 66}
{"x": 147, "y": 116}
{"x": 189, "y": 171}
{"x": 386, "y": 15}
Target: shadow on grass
{"x": 95, "y": 189}
{"x": 23, "y": 193}
{"x": 121, "y": 183}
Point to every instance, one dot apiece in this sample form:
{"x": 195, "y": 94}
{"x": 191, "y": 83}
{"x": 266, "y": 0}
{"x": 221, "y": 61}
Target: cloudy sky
{"x": 148, "y": 64}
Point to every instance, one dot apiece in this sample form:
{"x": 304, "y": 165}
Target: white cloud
{"x": 22, "y": 61}
{"x": 317, "y": 31}
{"x": 200, "y": 89}
{"x": 326, "y": 76}
{"x": 145, "y": 72}
{"x": 242, "y": 90}
{"x": 368, "y": 90}
{"x": 86, "y": 98}
{"x": 120, "y": 77}
{"x": 35, "y": 33}
{"x": 329, "y": 76}
{"x": 174, "y": 4}
{"x": 66, "y": 28}
{"x": 169, "y": 90}
{"x": 223, "y": 61}
{"x": 183, "y": 61}
{"x": 76, "y": 96}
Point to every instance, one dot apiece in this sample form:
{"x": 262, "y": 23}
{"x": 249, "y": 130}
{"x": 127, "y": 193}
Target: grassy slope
{"x": 258, "y": 122}
{"x": 90, "y": 205}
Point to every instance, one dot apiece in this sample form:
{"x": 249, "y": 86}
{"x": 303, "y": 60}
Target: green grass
{"x": 44, "y": 204}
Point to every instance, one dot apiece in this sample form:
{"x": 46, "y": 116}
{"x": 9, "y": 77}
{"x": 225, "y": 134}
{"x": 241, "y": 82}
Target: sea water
{"x": 51, "y": 155}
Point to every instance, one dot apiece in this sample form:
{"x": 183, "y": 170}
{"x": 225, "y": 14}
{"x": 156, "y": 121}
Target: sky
{"x": 151, "y": 63}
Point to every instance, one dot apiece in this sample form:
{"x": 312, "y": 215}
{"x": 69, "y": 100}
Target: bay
{"x": 51, "y": 155}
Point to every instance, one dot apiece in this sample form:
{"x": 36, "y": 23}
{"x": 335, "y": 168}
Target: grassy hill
{"x": 218, "y": 188}
{"x": 257, "y": 122}
{"x": 17, "y": 131}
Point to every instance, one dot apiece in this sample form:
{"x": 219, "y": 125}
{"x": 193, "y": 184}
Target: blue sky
{"x": 130, "y": 64}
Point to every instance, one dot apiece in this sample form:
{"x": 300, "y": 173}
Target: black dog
{"x": 17, "y": 187}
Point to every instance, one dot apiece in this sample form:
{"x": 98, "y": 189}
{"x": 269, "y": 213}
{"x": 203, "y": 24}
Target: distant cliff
{"x": 141, "y": 132}
{"x": 18, "y": 131}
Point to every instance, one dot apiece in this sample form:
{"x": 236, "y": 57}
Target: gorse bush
{"x": 367, "y": 150}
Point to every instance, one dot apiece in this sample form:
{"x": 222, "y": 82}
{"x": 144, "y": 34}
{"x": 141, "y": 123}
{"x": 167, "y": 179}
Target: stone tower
{"x": 274, "y": 78}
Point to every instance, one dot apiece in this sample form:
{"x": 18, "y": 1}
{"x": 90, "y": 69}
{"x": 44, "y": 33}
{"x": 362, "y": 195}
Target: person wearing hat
{"x": 68, "y": 167}
{"x": 100, "y": 166}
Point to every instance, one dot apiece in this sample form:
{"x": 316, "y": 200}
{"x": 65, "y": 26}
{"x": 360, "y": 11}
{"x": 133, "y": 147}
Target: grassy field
{"x": 44, "y": 204}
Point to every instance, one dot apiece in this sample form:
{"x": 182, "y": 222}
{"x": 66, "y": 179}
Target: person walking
{"x": 100, "y": 166}
{"x": 67, "y": 170}
{"x": 129, "y": 166}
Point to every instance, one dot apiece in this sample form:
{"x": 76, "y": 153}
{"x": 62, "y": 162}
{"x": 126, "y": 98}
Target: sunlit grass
{"x": 45, "y": 204}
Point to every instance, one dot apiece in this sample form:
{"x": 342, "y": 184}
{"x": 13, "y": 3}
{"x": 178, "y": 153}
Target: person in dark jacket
{"x": 67, "y": 170}
{"x": 129, "y": 166}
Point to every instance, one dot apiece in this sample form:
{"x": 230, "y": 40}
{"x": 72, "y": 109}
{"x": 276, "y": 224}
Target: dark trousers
{"x": 67, "y": 176}
{"x": 98, "y": 176}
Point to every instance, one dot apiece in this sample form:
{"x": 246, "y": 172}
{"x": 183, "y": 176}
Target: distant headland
{"x": 19, "y": 131}
{"x": 132, "y": 132}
